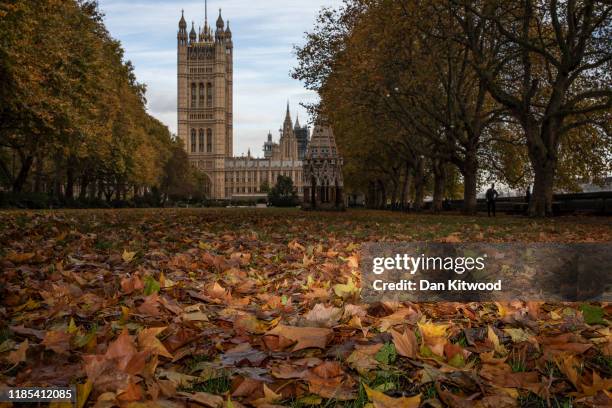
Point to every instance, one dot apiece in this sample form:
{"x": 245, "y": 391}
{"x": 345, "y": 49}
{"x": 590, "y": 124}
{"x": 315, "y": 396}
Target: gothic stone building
{"x": 323, "y": 182}
{"x": 205, "y": 120}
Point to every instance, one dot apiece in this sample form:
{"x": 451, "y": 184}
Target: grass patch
{"x": 218, "y": 386}
{"x": 532, "y": 400}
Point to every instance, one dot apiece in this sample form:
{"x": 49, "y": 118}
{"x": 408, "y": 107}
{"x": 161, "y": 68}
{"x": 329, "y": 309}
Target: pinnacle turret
{"x": 220, "y": 23}
{"x": 192, "y": 34}
{"x": 182, "y": 22}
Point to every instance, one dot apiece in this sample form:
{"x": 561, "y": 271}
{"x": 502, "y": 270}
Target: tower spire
{"x": 206, "y": 10}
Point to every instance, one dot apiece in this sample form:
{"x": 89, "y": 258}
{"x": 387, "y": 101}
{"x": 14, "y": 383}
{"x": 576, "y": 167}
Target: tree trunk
{"x": 382, "y": 202}
{"x": 38, "y": 175}
{"x": 470, "y": 185}
{"x": 22, "y": 176}
{"x": 84, "y": 185}
{"x": 542, "y": 196}
{"x": 69, "y": 181}
{"x": 419, "y": 185}
{"x": 405, "y": 188}
{"x": 439, "y": 171}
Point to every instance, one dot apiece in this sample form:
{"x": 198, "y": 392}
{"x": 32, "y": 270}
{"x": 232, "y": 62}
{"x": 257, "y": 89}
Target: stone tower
{"x": 323, "y": 182}
{"x": 302, "y": 134}
{"x": 288, "y": 141}
{"x": 205, "y": 102}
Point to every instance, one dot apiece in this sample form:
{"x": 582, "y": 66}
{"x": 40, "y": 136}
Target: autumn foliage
{"x": 246, "y": 308}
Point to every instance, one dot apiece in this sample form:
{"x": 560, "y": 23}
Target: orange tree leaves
{"x": 211, "y": 315}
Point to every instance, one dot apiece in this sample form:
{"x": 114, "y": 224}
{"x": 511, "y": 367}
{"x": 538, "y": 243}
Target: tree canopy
{"x": 421, "y": 91}
{"x": 73, "y": 117}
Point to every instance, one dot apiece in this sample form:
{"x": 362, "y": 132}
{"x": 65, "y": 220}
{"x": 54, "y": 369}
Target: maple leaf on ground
{"x": 363, "y": 358}
{"x": 433, "y": 337}
{"x": 346, "y": 290}
{"x": 405, "y": 344}
{"x": 250, "y": 323}
{"x": 147, "y": 339}
{"x": 493, "y": 339}
{"x": 304, "y": 337}
{"x": 381, "y": 400}
{"x": 405, "y": 315}
{"x": 18, "y": 356}
{"x": 328, "y": 380}
{"x": 104, "y": 374}
{"x": 131, "y": 284}
{"x": 204, "y": 398}
{"x": 150, "y": 306}
{"x": 133, "y": 392}
{"x": 269, "y": 398}
{"x": 58, "y": 341}
{"x": 128, "y": 256}
{"x": 122, "y": 349}
{"x": 323, "y": 316}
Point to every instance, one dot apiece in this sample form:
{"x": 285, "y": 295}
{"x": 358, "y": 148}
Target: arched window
{"x": 209, "y": 95}
{"x": 201, "y": 141}
{"x": 209, "y": 141}
{"x": 193, "y": 95}
{"x": 201, "y": 104}
{"x": 193, "y": 141}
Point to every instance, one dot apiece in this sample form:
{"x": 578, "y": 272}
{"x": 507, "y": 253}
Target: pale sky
{"x": 264, "y": 32}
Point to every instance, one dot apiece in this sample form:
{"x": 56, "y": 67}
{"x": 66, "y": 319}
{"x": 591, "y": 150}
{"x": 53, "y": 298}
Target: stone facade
{"x": 323, "y": 182}
{"x": 205, "y": 119}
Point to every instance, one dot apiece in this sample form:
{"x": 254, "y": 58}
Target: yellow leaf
{"x": 128, "y": 256}
{"x": 430, "y": 330}
{"x": 204, "y": 246}
{"x": 346, "y": 290}
{"x": 381, "y": 400}
{"x": 83, "y": 391}
{"x": 125, "y": 314}
{"x": 492, "y": 336}
{"x": 72, "y": 327}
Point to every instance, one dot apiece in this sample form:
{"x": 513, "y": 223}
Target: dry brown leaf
{"x": 405, "y": 344}
{"x": 304, "y": 337}
{"x": 19, "y": 356}
{"x": 147, "y": 339}
{"x": 204, "y": 398}
{"x": 58, "y": 341}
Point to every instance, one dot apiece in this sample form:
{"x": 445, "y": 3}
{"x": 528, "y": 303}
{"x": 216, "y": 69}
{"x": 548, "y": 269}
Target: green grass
{"x": 532, "y": 400}
{"x": 517, "y": 362}
{"x": 218, "y": 386}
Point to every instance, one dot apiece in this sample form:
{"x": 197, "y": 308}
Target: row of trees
{"x": 432, "y": 96}
{"x": 73, "y": 121}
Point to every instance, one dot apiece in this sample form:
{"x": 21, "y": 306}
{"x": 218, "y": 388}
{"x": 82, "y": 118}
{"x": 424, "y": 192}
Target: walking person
{"x": 491, "y": 198}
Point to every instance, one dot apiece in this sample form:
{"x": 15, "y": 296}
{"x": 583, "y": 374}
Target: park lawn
{"x": 260, "y": 307}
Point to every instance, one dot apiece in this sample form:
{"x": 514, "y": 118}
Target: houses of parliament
{"x": 205, "y": 119}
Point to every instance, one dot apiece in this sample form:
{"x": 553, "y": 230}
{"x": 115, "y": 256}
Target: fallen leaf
{"x": 381, "y": 400}
{"x": 19, "y": 356}
{"x": 128, "y": 256}
{"x": 204, "y": 398}
{"x": 304, "y": 337}
{"x": 58, "y": 341}
{"x": 406, "y": 343}
{"x": 147, "y": 339}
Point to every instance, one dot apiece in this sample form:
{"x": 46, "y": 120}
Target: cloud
{"x": 264, "y": 33}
